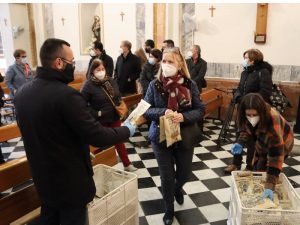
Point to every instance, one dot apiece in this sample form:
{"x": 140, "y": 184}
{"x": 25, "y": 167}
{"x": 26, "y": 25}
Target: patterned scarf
{"x": 179, "y": 95}
{"x": 105, "y": 83}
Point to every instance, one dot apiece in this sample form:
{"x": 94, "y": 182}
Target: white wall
{"x": 224, "y": 37}
{"x": 7, "y": 39}
{"x": 116, "y": 30}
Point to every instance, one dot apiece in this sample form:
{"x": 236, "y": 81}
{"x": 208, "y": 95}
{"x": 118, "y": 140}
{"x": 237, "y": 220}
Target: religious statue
{"x": 96, "y": 28}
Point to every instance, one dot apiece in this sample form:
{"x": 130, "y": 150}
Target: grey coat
{"x": 15, "y": 77}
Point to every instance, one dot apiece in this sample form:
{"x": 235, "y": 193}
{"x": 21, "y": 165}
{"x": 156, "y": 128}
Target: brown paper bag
{"x": 172, "y": 130}
{"x": 162, "y": 133}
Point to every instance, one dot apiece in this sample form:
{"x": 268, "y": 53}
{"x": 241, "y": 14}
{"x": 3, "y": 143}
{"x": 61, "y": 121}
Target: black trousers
{"x": 173, "y": 180}
{"x": 62, "y": 216}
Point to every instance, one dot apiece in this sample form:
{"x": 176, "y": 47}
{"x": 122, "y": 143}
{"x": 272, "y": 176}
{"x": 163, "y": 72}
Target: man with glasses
{"x": 57, "y": 127}
{"x": 19, "y": 73}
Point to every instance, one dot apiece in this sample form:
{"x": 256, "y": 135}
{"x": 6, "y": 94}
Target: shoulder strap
{"x": 110, "y": 99}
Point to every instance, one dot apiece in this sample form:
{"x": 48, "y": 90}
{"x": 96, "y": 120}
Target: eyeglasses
{"x": 67, "y": 61}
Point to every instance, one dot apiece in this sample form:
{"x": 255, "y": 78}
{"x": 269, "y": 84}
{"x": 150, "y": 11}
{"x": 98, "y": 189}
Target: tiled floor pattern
{"x": 207, "y": 194}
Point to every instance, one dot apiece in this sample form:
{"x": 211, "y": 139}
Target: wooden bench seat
{"x": 213, "y": 100}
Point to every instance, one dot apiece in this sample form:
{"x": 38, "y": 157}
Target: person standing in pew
{"x": 99, "y": 91}
{"x": 57, "y": 129}
{"x": 197, "y": 67}
{"x": 255, "y": 78}
{"x": 173, "y": 92}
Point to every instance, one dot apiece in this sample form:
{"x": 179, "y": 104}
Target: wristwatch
{"x": 99, "y": 113}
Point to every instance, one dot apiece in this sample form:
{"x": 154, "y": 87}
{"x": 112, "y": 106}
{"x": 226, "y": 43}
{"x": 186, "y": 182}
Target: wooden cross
{"x": 212, "y": 11}
{"x": 5, "y": 21}
{"x": 122, "y": 14}
{"x": 63, "y": 21}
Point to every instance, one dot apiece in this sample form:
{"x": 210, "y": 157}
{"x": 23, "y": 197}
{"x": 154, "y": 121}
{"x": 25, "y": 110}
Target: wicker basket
{"x": 116, "y": 200}
{"x": 239, "y": 215}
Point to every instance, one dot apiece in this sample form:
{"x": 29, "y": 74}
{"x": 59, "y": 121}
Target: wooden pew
{"x": 132, "y": 100}
{"x": 21, "y": 202}
{"x": 213, "y": 100}
{"x": 8, "y": 132}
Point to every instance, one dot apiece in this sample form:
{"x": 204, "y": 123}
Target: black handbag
{"x": 278, "y": 99}
{"x": 191, "y": 135}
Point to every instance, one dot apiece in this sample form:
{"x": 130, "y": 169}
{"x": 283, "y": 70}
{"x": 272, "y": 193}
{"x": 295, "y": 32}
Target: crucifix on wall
{"x": 122, "y": 14}
{"x": 63, "y": 21}
{"x": 212, "y": 8}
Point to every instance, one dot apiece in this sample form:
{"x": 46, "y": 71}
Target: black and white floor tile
{"x": 207, "y": 194}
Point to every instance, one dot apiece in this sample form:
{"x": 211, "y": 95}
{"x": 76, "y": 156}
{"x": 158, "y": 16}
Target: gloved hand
{"x": 236, "y": 149}
{"x": 268, "y": 193}
{"x": 130, "y": 127}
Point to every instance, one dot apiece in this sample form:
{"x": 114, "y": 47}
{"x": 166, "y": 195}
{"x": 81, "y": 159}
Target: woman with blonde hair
{"x": 173, "y": 92}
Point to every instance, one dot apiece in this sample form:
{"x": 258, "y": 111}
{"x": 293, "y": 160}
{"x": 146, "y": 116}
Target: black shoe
{"x": 179, "y": 197}
{"x": 168, "y": 217}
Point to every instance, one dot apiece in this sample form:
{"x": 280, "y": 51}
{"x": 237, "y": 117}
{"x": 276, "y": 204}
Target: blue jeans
{"x": 173, "y": 180}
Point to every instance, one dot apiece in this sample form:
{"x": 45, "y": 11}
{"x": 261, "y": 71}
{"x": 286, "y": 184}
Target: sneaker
{"x": 231, "y": 168}
{"x": 130, "y": 168}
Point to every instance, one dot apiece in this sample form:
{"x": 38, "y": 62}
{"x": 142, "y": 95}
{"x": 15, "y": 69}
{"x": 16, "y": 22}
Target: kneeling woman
{"x": 174, "y": 92}
{"x": 95, "y": 91}
{"x": 271, "y": 133}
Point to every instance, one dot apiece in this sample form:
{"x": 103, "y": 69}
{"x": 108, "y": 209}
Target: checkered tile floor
{"x": 207, "y": 194}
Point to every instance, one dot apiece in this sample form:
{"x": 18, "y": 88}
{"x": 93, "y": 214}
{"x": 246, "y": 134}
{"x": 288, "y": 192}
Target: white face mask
{"x": 100, "y": 74}
{"x": 24, "y": 60}
{"x": 151, "y": 61}
{"x": 189, "y": 54}
{"x": 92, "y": 53}
{"x": 168, "y": 70}
{"x": 253, "y": 120}
{"x": 121, "y": 51}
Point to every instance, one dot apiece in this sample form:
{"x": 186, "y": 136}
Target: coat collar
{"x": 51, "y": 74}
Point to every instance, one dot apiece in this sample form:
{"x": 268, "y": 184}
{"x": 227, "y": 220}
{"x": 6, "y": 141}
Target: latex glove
{"x": 236, "y": 149}
{"x": 168, "y": 111}
{"x": 268, "y": 193}
{"x": 130, "y": 127}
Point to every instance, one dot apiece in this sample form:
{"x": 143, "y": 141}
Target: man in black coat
{"x": 128, "y": 68}
{"x": 197, "y": 67}
{"x": 97, "y": 52}
{"x": 1, "y": 105}
{"x": 57, "y": 128}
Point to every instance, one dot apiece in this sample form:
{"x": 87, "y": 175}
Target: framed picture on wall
{"x": 90, "y": 25}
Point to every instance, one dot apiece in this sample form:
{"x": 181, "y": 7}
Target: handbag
{"x": 278, "y": 99}
{"x": 121, "y": 109}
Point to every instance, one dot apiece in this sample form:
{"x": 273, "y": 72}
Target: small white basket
{"x": 116, "y": 201}
{"x": 239, "y": 215}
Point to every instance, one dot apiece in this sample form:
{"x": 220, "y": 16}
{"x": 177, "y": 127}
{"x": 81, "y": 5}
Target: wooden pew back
{"x": 212, "y": 99}
{"x": 8, "y": 132}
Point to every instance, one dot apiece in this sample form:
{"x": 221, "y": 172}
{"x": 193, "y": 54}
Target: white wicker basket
{"x": 116, "y": 200}
{"x": 239, "y": 215}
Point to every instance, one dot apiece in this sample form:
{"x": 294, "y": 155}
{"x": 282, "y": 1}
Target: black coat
{"x": 1, "y": 94}
{"x": 255, "y": 79}
{"x": 147, "y": 75}
{"x": 197, "y": 71}
{"x": 126, "y": 68}
{"x": 108, "y": 63}
{"x": 57, "y": 127}
{"x": 98, "y": 101}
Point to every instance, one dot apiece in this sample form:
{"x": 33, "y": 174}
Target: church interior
{"x": 224, "y": 32}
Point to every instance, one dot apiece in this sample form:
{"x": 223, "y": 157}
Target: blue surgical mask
{"x": 151, "y": 61}
{"x": 245, "y": 63}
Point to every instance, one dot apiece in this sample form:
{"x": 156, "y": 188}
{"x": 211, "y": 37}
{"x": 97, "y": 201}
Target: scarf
{"x": 106, "y": 85}
{"x": 179, "y": 95}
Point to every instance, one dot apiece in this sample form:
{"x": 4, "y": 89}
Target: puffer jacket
{"x": 256, "y": 79}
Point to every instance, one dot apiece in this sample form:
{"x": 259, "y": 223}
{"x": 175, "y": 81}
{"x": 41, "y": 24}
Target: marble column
{"x": 48, "y": 20}
{"x": 187, "y": 34}
{"x": 140, "y": 25}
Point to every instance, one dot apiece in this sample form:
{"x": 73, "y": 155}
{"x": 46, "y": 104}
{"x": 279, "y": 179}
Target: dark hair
{"x": 198, "y": 50}
{"x": 94, "y": 65}
{"x": 51, "y": 49}
{"x": 127, "y": 44}
{"x": 18, "y": 53}
{"x": 98, "y": 45}
{"x": 170, "y": 43}
{"x": 253, "y": 101}
{"x": 149, "y": 43}
{"x": 156, "y": 54}
{"x": 254, "y": 55}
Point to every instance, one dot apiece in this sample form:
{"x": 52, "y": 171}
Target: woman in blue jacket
{"x": 174, "y": 92}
